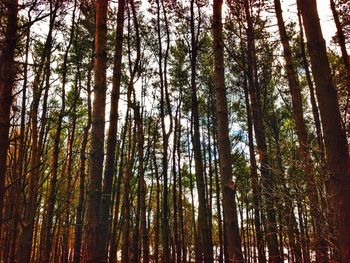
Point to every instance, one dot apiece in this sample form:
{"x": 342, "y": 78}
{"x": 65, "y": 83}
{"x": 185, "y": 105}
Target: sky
{"x": 326, "y": 18}
{"x": 324, "y": 12}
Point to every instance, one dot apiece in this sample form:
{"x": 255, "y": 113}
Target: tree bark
{"x": 82, "y": 174}
{"x": 204, "y": 231}
{"x": 233, "y": 252}
{"x": 295, "y": 91}
{"x": 112, "y": 133}
{"x": 255, "y": 180}
{"x": 260, "y": 136}
{"x": 337, "y": 152}
{"x": 91, "y": 254}
{"x": 7, "y": 83}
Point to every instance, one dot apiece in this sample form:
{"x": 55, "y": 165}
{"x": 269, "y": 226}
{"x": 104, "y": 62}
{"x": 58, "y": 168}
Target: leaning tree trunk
{"x": 295, "y": 91}
{"x": 337, "y": 151}
{"x": 233, "y": 252}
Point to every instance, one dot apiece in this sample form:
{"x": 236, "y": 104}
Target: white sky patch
{"x": 326, "y": 18}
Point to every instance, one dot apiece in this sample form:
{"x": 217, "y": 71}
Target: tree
{"x": 337, "y": 152}
{"x": 112, "y": 133}
{"x": 233, "y": 252}
{"x": 295, "y": 91}
{"x": 97, "y": 136}
{"x": 7, "y": 84}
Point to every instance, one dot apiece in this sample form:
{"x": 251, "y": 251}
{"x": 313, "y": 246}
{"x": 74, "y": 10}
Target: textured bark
{"x": 337, "y": 152}
{"x": 7, "y": 82}
{"x": 295, "y": 91}
{"x": 218, "y": 196}
{"x": 112, "y": 136}
{"x": 91, "y": 254}
{"x": 233, "y": 252}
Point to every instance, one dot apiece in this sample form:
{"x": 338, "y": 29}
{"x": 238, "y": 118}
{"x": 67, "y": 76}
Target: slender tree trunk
{"x": 337, "y": 152}
{"x": 295, "y": 91}
{"x": 111, "y": 138}
{"x": 56, "y": 151}
{"x": 116, "y": 221}
{"x": 257, "y": 115}
{"x": 233, "y": 252}
{"x": 164, "y": 106}
{"x": 157, "y": 212}
{"x": 311, "y": 87}
{"x": 204, "y": 231}
{"x": 255, "y": 180}
{"x": 177, "y": 236}
{"x": 7, "y": 82}
{"x": 82, "y": 174}
{"x": 26, "y": 242}
{"x": 91, "y": 254}
{"x": 126, "y": 257}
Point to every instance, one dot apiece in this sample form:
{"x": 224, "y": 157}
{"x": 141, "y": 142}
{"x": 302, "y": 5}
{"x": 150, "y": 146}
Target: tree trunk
{"x": 295, "y": 91}
{"x": 111, "y": 139}
{"x": 257, "y": 116}
{"x": 255, "y": 180}
{"x": 233, "y": 252}
{"x": 204, "y": 231}
{"x": 335, "y": 139}
{"x": 82, "y": 175}
{"x": 91, "y": 254}
{"x": 7, "y": 81}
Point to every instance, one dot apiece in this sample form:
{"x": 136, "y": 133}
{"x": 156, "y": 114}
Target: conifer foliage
{"x": 174, "y": 131}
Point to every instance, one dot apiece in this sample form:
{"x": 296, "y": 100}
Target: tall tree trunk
{"x": 26, "y": 242}
{"x": 82, "y": 174}
{"x": 204, "y": 231}
{"x": 176, "y": 231}
{"x": 216, "y": 172}
{"x": 257, "y": 116}
{"x": 255, "y": 179}
{"x": 56, "y": 150}
{"x": 295, "y": 91}
{"x": 7, "y": 83}
{"x": 114, "y": 235}
{"x": 233, "y": 252}
{"x": 164, "y": 107}
{"x": 126, "y": 257}
{"x": 337, "y": 151}
{"x": 91, "y": 254}
{"x": 112, "y": 133}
